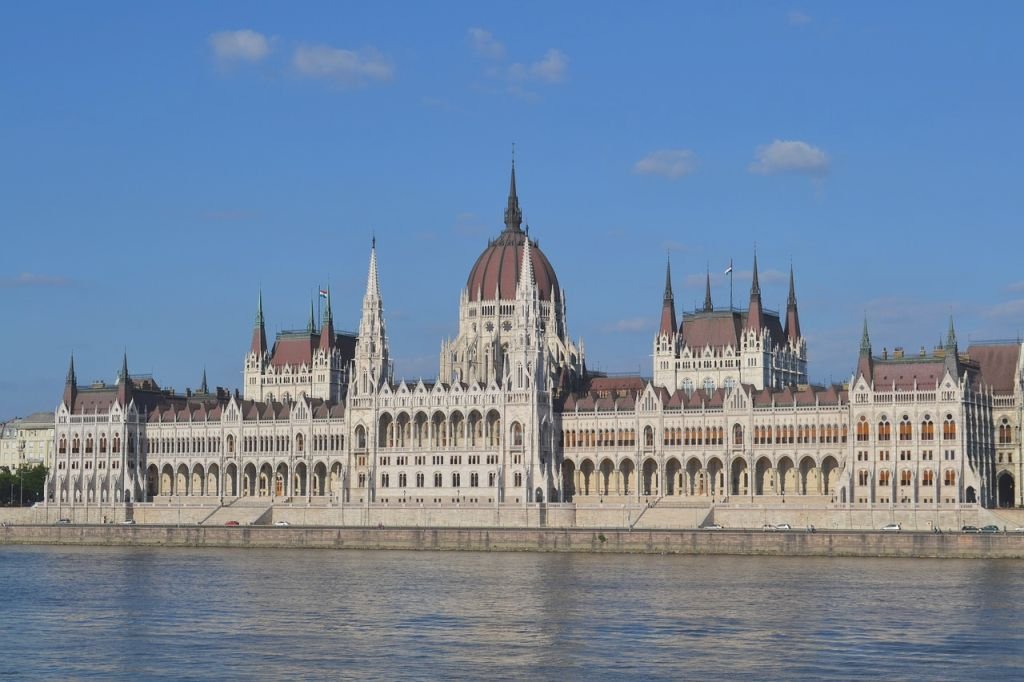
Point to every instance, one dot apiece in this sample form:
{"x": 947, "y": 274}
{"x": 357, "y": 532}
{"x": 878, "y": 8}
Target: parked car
{"x": 1019, "y": 529}
{"x": 62, "y": 522}
{"x": 892, "y": 528}
{"x": 712, "y": 526}
{"x": 991, "y": 528}
{"x": 281, "y": 523}
{"x": 128, "y": 522}
{"x": 231, "y": 523}
{"x": 970, "y": 529}
{"x": 783, "y": 526}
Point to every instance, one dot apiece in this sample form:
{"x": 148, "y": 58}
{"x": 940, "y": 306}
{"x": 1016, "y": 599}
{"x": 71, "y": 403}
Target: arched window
{"x": 949, "y": 477}
{"x": 709, "y": 384}
{"x": 231, "y": 444}
{"x": 299, "y": 443}
{"x": 1005, "y": 434}
{"x": 360, "y": 437}
{"x": 63, "y": 447}
{"x": 88, "y": 444}
{"x": 906, "y": 430}
{"x": 884, "y": 429}
{"x": 737, "y": 434}
{"x": 688, "y": 386}
{"x": 949, "y": 428}
{"x": 517, "y": 435}
{"x": 862, "y": 430}
{"x": 648, "y": 437}
{"x": 928, "y": 477}
{"x": 76, "y": 445}
{"x": 904, "y": 478}
{"x": 883, "y": 477}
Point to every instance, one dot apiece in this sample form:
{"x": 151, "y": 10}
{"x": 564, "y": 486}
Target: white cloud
{"x": 31, "y": 279}
{"x": 630, "y": 325}
{"x": 485, "y": 45}
{"x": 798, "y": 18}
{"x": 670, "y": 163}
{"x": 243, "y": 45}
{"x": 347, "y": 68}
{"x": 551, "y": 68}
{"x": 789, "y": 156}
{"x": 1007, "y": 309}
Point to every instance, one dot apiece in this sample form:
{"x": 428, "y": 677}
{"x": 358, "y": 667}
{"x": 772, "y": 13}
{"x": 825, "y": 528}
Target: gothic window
{"x": 419, "y": 479}
{"x": 517, "y": 479}
{"x": 88, "y": 444}
{"x": 456, "y": 480}
{"x": 709, "y": 384}
{"x": 949, "y": 428}
{"x": 103, "y": 443}
{"x": 1005, "y": 434}
{"x": 517, "y": 435}
{"x": 402, "y": 481}
{"x": 949, "y": 478}
{"x": 928, "y": 477}
{"x": 437, "y": 479}
{"x": 360, "y": 438}
{"x": 737, "y": 434}
{"x": 385, "y": 480}
{"x": 927, "y": 429}
{"x": 904, "y": 478}
{"x": 862, "y": 429}
{"x": 906, "y": 431}
{"x": 883, "y": 477}
{"x": 75, "y": 445}
{"x": 884, "y": 429}
{"x": 862, "y": 477}
{"x": 648, "y": 437}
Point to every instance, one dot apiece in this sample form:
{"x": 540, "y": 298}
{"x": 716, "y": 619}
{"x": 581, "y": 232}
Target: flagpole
{"x": 730, "y": 285}
{"x": 318, "y": 297}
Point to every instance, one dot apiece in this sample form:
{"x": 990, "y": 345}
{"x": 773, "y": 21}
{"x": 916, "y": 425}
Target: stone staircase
{"x": 248, "y": 511}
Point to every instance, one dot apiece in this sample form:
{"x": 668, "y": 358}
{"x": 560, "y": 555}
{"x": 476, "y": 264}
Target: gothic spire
{"x": 755, "y": 314}
{"x": 259, "y": 334}
{"x": 311, "y": 323}
{"x": 865, "y": 340}
{"x": 792, "y": 318}
{"x": 202, "y": 384}
{"x": 123, "y": 374}
{"x": 668, "y": 306}
{"x": 755, "y": 286}
{"x": 71, "y": 385}
{"x": 708, "y": 307}
{"x": 513, "y": 214}
{"x": 124, "y": 382}
{"x": 372, "y": 283}
{"x": 71, "y": 379}
{"x": 327, "y": 326}
{"x": 951, "y": 337}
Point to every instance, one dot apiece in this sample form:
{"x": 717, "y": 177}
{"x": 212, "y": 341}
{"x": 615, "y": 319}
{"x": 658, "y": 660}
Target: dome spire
{"x": 513, "y": 214}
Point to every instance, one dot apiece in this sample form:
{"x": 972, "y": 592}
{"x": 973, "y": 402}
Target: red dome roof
{"x": 499, "y": 265}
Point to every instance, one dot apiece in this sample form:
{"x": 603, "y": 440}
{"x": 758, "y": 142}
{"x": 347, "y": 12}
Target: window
{"x": 360, "y": 438}
{"x": 517, "y": 435}
{"x": 456, "y": 480}
{"x": 928, "y": 477}
{"x": 402, "y": 480}
{"x": 883, "y": 477}
{"x": 437, "y": 480}
{"x": 1005, "y": 433}
{"x": 385, "y": 480}
{"x": 949, "y": 428}
{"x": 906, "y": 431}
{"x": 862, "y": 477}
{"x": 949, "y": 478}
{"x": 927, "y": 429}
{"x": 862, "y": 430}
{"x": 517, "y": 479}
{"x": 474, "y": 480}
{"x": 419, "y": 480}
{"x": 884, "y": 429}
{"x": 904, "y": 478}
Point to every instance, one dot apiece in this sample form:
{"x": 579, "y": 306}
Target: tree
{"x": 25, "y": 485}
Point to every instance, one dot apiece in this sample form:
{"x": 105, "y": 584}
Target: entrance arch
{"x": 1006, "y": 490}
{"x": 971, "y": 497}
{"x": 568, "y": 480}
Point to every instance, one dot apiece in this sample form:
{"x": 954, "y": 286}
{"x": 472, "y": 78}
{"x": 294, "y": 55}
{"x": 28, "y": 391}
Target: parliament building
{"x": 727, "y": 417}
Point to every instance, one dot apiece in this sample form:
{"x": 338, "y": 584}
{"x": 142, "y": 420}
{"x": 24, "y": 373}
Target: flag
{"x": 323, "y": 293}
{"x": 728, "y": 270}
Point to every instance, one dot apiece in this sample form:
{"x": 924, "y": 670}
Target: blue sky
{"x": 162, "y": 162}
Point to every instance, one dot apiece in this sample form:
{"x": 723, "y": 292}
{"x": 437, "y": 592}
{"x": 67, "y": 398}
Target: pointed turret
{"x": 71, "y": 385}
{"x": 259, "y": 334}
{"x": 513, "y": 214}
{"x": 951, "y": 337}
{"x": 327, "y": 326}
{"x": 311, "y": 323}
{"x": 527, "y": 285}
{"x": 668, "y": 306}
{"x": 124, "y": 382}
{"x": 792, "y": 318}
{"x": 952, "y": 354}
{"x": 708, "y": 306}
{"x": 755, "y": 313}
{"x": 372, "y": 283}
{"x": 865, "y": 362}
{"x": 203, "y": 389}
{"x": 372, "y": 363}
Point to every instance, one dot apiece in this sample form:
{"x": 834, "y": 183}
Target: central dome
{"x": 498, "y": 267}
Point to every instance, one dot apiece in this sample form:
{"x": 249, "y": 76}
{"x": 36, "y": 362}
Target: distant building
{"x": 515, "y": 417}
{"x": 27, "y": 441}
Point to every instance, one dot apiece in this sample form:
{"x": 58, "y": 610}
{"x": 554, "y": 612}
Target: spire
{"x": 708, "y": 307}
{"x": 123, "y": 374}
{"x": 513, "y": 214}
{"x": 951, "y": 337}
{"x": 327, "y": 326}
{"x": 372, "y": 283}
{"x": 202, "y": 384}
{"x": 865, "y": 340}
{"x": 71, "y": 386}
{"x": 526, "y": 277}
{"x": 755, "y": 314}
{"x": 259, "y": 334}
{"x": 311, "y": 324}
{"x": 668, "y": 306}
{"x": 792, "y": 318}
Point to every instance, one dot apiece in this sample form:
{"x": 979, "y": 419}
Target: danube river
{"x": 298, "y": 614}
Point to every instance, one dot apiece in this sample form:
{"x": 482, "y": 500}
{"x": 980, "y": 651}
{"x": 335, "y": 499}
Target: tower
{"x": 371, "y": 366}
{"x": 256, "y": 358}
{"x": 665, "y": 340}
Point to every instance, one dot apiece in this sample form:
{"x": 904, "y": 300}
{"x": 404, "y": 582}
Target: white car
{"x": 281, "y": 523}
{"x": 783, "y": 526}
{"x": 712, "y": 526}
{"x": 892, "y": 528}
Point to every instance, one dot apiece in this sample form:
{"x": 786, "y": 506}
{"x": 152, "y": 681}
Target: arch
{"x": 474, "y": 428}
{"x": 588, "y": 482}
{"x": 439, "y": 426}
{"x": 152, "y": 481}
{"x": 648, "y": 437}
{"x": 809, "y": 482}
{"x": 737, "y": 434}
{"x": 970, "y": 496}
{"x": 360, "y": 437}
{"x": 695, "y": 483}
{"x": 650, "y": 483}
{"x": 230, "y": 444}
{"x": 231, "y": 480}
{"x": 299, "y": 480}
{"x": 181, "y": 480}
{"x": 457, "y": 426}
{"x": 829, "y": 475}
{"x": 386, "y": 431}
{"x": 740, "y": 477}
{"x": 716, "y": 477}
{"x": 336, "y": 480}
{"x": 627, "y": 471}
{"x": 568, "y": 480}
{"x": 249, "y": 480}
{"x": 197, "y": 484}
{"x": 212, "y": 480}
{"x": 403, "y": 430}
{"x": 319, "y": 480}
{"x": 516, "y": 434}
{"x": 1005, "y": 490}
{"x": 281, "y": 488}
{"x": 607, "y": 478}
{"x": 764, "y": 477}
{"x": 493, "y": 428}
{"x": 421, "y": 429}
{"x": 673, "y": 477}
{"x": 787, "y": 477}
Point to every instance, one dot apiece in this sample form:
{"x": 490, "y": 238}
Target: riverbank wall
{"x": 785, "y": 543}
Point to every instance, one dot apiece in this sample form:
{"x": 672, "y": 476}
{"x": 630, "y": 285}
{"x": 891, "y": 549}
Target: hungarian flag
{"x": 323, "y": 293}
{"x": 728, "y": 270}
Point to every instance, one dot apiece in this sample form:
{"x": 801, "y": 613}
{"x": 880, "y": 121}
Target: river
{"x": 140, "y": 613}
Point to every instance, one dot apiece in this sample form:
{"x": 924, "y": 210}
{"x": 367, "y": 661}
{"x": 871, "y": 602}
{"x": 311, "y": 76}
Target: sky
{"x": 162, "y": 163}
